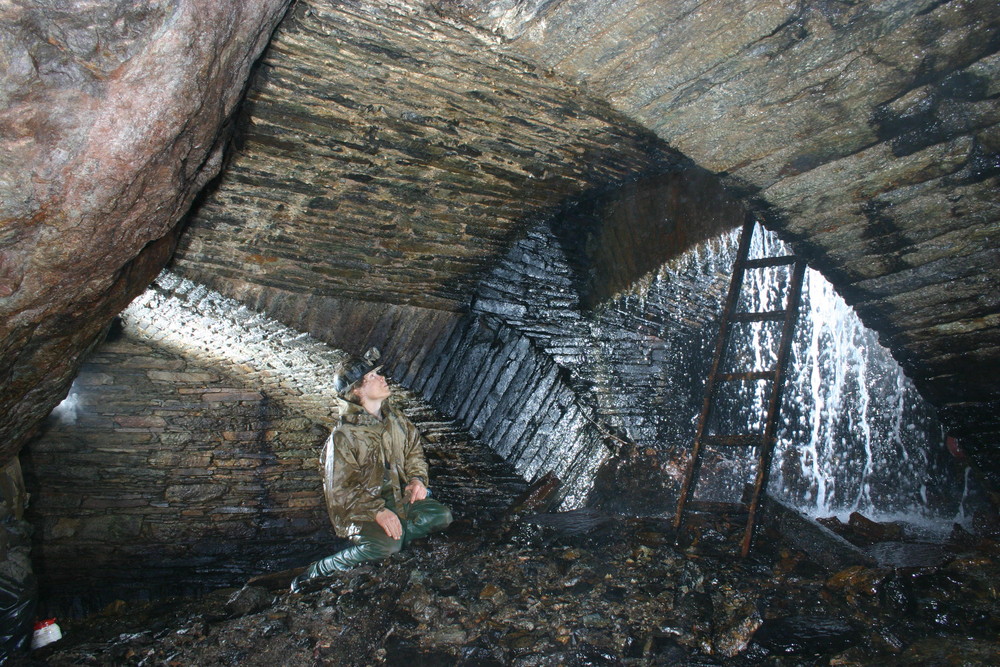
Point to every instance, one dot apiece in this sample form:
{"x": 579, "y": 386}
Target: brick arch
{"x": 865, "y": 134}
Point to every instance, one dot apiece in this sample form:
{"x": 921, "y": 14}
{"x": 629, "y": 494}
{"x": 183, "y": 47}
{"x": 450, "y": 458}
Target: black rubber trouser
{"x": 418, "y": 519}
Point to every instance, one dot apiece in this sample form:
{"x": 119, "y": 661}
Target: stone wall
{"x": 508, "y": 393}
{"x": 186, "y": 454}
{"x": 161, "y": 475}
{"x": 407, "y": 336}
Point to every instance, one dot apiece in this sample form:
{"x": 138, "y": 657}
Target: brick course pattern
{"x": 171, "y": 466}
{"x": 185, "y": 457}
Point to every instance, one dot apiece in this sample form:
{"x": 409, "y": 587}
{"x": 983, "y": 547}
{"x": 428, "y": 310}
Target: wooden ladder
{"x": 763, "y": 441}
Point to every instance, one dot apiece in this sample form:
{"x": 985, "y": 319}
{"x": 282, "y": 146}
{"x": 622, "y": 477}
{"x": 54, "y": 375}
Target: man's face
{"x": 373, "y": 387}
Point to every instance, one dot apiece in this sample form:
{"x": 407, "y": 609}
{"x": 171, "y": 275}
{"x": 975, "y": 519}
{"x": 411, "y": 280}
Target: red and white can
{"x": 46, "y": 632}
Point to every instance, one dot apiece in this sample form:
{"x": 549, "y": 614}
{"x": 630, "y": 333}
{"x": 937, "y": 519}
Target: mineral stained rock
{"x": 111, "y": 123}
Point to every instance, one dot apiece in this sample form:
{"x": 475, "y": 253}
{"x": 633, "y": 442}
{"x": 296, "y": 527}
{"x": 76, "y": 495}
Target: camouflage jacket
{"x": 360, "y": 453}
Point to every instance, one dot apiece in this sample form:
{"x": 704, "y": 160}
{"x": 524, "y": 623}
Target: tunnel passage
{"x": 869, "y": 132}
{"x": 604, "y": 395}
{"x": 185, "y": 457}
{"x": 855, "y": 434}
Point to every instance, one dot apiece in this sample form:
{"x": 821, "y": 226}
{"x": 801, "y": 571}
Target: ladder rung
{"x": 764, "y": 262}
{"x": 766, "y": 316}
{"x": 716, "y": 507}
{"x": 735, "y": 440}
{"x": 747, "y": 376}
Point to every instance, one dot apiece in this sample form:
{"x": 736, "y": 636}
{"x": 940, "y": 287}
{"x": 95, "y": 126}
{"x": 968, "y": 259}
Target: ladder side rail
{"x": 774, "y": 403}
{"x": 732, "y": 298}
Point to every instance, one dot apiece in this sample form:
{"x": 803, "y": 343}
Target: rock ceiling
{"x": 388, "y": 155}
{"x": 389, "y": 152}
{"x": 866, "y": 133}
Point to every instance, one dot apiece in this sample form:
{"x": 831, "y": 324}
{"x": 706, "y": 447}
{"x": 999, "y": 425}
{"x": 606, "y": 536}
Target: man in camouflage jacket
{"x": 374, "y": 475}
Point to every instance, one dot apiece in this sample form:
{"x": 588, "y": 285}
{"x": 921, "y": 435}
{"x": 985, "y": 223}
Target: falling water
{"x": 66, "y": 411}
{"x": 855, "y": 435}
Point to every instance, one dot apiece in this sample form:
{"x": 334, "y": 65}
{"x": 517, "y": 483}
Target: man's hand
{"x": 415, "y": 491}
{"x": 390, "y": 523}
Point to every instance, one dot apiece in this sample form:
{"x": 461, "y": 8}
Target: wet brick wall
{"x": 556, "y": 386}
{"x": 167, "y": 476}
{"x": 407, "y": 336}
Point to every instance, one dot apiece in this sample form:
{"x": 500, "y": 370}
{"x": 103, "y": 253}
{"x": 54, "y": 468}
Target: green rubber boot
{"x": 418, "y": 519}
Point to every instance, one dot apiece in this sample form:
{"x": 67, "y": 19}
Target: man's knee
{"x": 446, "y": 517}
{"x": 391, "y": 546}
{"x": 376, "y": 545}
{"x": 430, "y": 515}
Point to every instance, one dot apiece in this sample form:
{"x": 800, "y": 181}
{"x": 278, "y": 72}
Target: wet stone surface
{"x": 578, "y": 588}
{"x": 531, "y": 586}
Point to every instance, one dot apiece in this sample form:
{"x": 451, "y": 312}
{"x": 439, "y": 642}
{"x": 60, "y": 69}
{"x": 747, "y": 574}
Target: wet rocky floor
{"x": 618, "y": 593}
{"x": 529, "y": 587}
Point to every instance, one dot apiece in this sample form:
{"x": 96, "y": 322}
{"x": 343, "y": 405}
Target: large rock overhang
{"x": 110, "y": 125}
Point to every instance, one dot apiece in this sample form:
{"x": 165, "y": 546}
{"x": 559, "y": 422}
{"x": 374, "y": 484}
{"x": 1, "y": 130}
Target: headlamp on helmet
{"x": 352, "y": 370}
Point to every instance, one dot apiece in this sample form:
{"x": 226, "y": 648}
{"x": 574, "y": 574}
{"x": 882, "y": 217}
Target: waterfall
{"x": 854, "y": 433}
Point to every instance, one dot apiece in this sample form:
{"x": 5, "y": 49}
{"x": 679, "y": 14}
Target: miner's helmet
{"x": 352, "y": 370}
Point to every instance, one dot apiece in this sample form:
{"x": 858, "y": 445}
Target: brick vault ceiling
{"x": 389, "y": 154}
